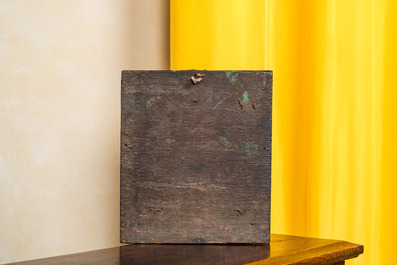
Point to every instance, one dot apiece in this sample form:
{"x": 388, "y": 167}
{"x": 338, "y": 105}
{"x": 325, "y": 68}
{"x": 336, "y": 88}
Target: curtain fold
{"x": 334, "y": 129}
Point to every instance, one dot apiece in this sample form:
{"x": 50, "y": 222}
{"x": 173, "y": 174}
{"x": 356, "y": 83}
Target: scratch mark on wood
{"x": 212, "y": 94}
{"x": 239, "y": 212}
{"x": 229, "y": 94}
{"x": 154, "y": 211}
{"x": 239, "y": 112}
{"x": 241, "y": 104}
{"x": 253, "y": 104}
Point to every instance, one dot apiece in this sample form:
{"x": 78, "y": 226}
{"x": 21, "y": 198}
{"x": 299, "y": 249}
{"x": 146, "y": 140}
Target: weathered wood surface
{"x": 195, "y": 158}
{"x": 283, "y": 250}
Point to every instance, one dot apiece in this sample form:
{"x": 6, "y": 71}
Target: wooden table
{"x": 282, "y": 250}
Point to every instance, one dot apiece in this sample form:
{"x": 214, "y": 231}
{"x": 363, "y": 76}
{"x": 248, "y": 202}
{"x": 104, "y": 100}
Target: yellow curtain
{"x": 334, "y": 106}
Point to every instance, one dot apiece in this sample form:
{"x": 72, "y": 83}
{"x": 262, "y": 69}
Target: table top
{"x": 283, "y": 249}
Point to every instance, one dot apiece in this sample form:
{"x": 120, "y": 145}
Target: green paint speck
{"x": 232, "y": 76}
{"x": 246, "y": 98}
{"x": 250, "y": 147}
{"x": 218, "y": 173}
{"x": 224, "y": 141}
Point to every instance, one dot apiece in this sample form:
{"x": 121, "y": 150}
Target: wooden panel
{"x": 282, "y": 250}
{"x": 195, "y": 158}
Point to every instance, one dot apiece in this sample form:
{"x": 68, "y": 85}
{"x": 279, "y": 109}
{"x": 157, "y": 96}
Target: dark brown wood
{"x": 195, "y": 158}
{"x": 282, "y": 250}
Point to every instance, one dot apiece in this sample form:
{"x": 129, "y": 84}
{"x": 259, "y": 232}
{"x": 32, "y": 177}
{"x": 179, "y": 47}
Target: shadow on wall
{"x": 60, "y": 118}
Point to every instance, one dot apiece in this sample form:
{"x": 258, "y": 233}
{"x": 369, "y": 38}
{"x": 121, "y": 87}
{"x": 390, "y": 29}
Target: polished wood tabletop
{"x": 283, "y": 249}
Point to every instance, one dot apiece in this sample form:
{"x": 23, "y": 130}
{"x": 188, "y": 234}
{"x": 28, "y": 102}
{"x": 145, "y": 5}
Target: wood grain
{"x": 282, "y": 250}
{"x": 303, "y": 250}
{"x": 195, "y": 158}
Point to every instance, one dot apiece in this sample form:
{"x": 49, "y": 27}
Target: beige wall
{"x": 60, "y": 64}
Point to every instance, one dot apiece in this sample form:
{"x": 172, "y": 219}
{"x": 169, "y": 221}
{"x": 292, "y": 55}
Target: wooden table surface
{"x": 283, "y": 249}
